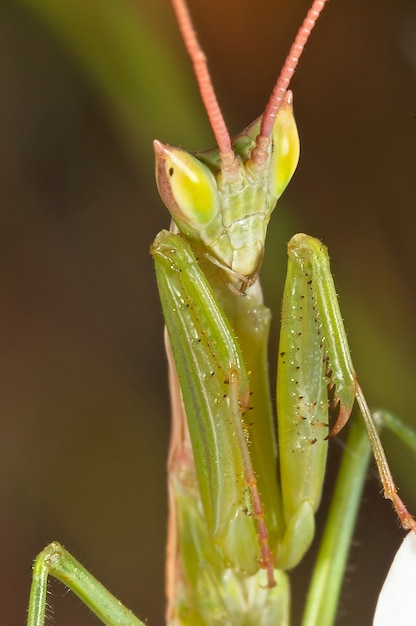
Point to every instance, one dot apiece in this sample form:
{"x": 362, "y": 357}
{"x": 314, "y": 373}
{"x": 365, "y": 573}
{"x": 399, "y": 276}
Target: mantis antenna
{"x": 278, "y": 95}
{"x": 219, "y": 128}
{"x": 199, "y": 62}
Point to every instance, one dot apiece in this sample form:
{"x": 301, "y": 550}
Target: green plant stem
{"x": 403, "y": 432}
{"x": 55, "y": 561}
{"x": 324, "y": 590}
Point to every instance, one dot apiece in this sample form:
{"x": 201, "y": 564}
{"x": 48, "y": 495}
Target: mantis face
{"x": 224, "y": 214}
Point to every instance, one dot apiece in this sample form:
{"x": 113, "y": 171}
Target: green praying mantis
{"x": 236, "y": 525}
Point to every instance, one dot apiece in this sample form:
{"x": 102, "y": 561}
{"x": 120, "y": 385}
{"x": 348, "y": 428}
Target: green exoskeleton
{"x": 242, "y": 502}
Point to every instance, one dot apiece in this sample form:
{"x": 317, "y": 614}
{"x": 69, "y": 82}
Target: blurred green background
{"x": 85, "y": 87}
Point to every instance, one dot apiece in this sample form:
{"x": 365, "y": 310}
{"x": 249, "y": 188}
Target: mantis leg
{"x": 316, "y": 377}
{"x": 218, "y": 537}
{"x": 55, "y": 561}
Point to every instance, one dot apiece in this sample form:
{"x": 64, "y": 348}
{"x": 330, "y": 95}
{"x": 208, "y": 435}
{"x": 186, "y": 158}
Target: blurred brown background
{"x": 83, "y": 393}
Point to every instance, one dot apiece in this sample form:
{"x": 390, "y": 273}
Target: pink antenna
{"x": 280, "y": 89}
{"x": 206, "y": 88}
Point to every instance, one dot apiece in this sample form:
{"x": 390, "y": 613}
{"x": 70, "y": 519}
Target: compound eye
{"x": 187, "y": 187}
{"x": 285, "y": 155}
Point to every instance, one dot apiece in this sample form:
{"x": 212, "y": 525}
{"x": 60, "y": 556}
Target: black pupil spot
{"x": 171, "y": 171}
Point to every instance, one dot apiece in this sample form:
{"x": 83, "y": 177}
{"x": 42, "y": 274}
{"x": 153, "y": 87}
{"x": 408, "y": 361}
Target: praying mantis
{"x": 233, "y": 380}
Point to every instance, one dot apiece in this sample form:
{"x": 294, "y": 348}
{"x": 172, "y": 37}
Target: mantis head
{"x": 224, "y": 213}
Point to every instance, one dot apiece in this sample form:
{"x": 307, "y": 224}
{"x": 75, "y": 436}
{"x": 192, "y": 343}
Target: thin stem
{"x": 330, "y": 564}
{"x": 402, "y": 431}
{"x": 55, "y": 561}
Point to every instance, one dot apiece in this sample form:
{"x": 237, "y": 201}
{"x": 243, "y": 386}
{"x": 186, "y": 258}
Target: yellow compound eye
{"x": 286, "y": 149}
{"x": 188, "y": 188}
